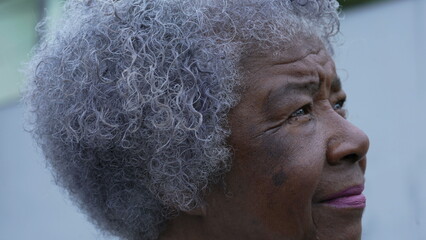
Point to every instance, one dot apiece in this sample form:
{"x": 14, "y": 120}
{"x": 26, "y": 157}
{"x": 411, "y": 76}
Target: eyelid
{"x": 341, "y": 102}
{"x": 342, "y": 110}
{"x": 291, "y": 118}
{"x": 307, "y": 110}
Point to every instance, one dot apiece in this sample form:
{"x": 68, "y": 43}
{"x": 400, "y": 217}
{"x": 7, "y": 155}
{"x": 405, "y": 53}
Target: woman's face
{"x": 298, "y": 167}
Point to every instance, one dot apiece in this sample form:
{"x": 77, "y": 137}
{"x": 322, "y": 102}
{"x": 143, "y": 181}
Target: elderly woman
{"x": 200, "y": 119}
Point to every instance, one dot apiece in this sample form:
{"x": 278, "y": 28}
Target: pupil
{"x": 337, "y": 106}
{"x": 300, "y": 112}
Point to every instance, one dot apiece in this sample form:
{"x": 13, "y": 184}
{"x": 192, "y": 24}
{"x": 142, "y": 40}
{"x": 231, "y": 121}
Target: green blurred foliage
{"x": 17, "y": 36}
{"x": 352, "y": 3}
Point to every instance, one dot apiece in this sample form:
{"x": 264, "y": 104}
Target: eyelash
{"x": 341, "y": 103}
{"x": 339, "y": 107}
{"x": 301, "y": 112}
{"x": 306, "y": 110}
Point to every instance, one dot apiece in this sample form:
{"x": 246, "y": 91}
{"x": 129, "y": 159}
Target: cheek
{"x": 293, "y": 162}
{"x": 279, "y": 178}
{"x": 280, "y": 175}
{"x": 293, "y": 181}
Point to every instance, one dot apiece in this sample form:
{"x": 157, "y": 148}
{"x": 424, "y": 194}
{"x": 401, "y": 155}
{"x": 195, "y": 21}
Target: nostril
{"x": 352, "y": 157}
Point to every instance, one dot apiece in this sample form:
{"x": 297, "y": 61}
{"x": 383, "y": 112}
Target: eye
{"x": 303, "y": 111}
{"x": 339, "y": 105}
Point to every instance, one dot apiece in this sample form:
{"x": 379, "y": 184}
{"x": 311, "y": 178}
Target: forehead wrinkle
{"x": 310, "y": 88}
{"x": 292, "y": 55}
{"x": 325, "y": 69}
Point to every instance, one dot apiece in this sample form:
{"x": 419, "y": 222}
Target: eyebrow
{"x": 336, "y": 84}
{"x": 308, "y": 87}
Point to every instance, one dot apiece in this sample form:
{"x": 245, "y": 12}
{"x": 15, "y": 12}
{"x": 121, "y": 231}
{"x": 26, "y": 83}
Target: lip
{"x": 351, "y": 197}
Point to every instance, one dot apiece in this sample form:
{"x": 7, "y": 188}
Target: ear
{"x": 199, "y": 211}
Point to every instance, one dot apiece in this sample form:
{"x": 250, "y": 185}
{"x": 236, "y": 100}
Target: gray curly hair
{"x": 129, "y": 98}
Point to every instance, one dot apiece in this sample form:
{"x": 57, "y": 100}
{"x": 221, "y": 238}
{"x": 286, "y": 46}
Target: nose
{"x": 347, "y": 143}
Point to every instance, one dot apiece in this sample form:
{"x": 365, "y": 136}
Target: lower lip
{"x": 353, "y": 201}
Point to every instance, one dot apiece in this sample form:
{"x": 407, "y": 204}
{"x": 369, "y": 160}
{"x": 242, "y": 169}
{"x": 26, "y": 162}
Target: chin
{"x": 337, "y": 224}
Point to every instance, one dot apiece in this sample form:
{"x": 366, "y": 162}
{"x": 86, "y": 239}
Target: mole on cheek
{"x": 279, "y": 178}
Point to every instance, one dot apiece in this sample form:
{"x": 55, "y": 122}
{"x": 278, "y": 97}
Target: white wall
{"x": 383, "y": 60}
{"x": 383, "y": 64}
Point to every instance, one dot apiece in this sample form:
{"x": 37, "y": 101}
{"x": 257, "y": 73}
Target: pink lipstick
{"x": 349, "y": 198}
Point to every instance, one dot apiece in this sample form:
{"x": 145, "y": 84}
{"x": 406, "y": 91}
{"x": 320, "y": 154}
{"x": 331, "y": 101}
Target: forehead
{"x": 281, "y": 53}
{"x": 304, "y": 60}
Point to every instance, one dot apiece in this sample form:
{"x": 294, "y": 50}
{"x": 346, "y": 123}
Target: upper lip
{"x": 350, "y": 191}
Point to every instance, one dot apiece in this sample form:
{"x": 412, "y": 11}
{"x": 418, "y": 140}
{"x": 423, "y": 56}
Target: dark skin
{"x": 292, "y": 147}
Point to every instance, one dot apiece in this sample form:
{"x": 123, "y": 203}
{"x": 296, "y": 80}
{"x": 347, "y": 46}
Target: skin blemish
{"x": 279, "y": 178}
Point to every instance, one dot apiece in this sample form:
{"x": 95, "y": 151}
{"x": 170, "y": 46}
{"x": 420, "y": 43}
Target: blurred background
{"x": 381, "y": 57}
